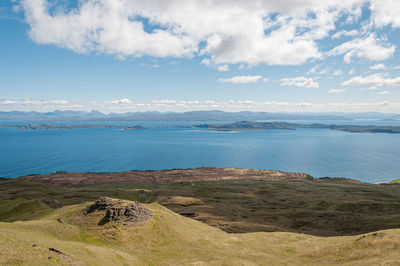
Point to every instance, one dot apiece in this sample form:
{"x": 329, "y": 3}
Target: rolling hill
{"x": 67, "y": 237}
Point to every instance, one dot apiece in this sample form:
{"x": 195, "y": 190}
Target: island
{"x": 235, "y": 126}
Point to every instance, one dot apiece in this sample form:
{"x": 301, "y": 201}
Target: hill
{"x": 68, "y": 236}
{"x": 233, "y": 200}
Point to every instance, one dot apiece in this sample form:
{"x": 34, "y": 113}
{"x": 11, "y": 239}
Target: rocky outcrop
{"x": 119, "y": 211}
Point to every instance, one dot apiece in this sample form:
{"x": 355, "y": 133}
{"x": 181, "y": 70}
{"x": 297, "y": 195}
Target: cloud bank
{"x": 166, "y": 105}
{"x": 276, "y": 32}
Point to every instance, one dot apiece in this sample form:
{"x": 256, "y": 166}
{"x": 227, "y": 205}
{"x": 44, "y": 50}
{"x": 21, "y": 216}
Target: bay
{"x": 319, "y": 152}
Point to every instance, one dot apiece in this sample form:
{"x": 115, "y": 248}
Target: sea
{"x": 368, "y": 157}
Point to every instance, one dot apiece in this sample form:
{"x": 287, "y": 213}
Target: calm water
{"x": 319, "y": 152}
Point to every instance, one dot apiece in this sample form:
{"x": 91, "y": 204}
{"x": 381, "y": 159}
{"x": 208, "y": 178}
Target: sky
{"x": 175, "y": 55}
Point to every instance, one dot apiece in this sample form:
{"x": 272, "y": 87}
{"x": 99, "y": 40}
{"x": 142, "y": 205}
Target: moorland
{"x": 203, "y": 215}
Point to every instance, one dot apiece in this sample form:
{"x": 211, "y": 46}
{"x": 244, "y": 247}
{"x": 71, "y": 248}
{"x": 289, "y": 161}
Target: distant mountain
{"x": 56, "y": 116}
{"x": 213, "y": 115}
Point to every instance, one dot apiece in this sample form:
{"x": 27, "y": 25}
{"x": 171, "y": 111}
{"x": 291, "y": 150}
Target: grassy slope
{"x": 21, "y": 210}
{"x": 318, "y": 207}
{"x": 171, "y": 239}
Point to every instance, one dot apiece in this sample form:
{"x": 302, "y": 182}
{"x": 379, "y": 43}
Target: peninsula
{"x": 235, "y": 126}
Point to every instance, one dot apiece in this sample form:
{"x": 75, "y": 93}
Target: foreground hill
{"x": 72, "y": 236}
{"x": 234, "y": 200}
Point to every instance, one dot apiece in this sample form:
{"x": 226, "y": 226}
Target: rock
{"x": 102, "y": 203}
{"x": 119, "y": 211}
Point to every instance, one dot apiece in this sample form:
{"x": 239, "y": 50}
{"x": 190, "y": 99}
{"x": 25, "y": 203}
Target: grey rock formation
{"x": 120, "y": 211}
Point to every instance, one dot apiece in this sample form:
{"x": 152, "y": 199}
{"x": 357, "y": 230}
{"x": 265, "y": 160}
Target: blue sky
{"x": 117, "y": 56}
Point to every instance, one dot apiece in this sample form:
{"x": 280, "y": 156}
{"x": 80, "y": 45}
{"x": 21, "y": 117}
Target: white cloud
{"x": 282, "y": 32}
{"x": 313, "y": 70}
{"x": 385, "y": 13}
{"x": 223, "y": 68}
{"x": 122, "y": 101}
{"x": 373, "y": 80}
{"x": 337, "y": 90}
{"x": 338, "y": 72}
{"x": 370, "y": 47}
{"x": 300, "y": 82}
{"x": 323, "y": 71}
{"x": 383, "y": 93}
{"x": 241, "y": 79}
{"x": 378, "y": 67}
{"x": 206, "y": 61}
{"x": 339, "y": 34}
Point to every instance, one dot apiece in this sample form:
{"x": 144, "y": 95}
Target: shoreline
{"x": 236, "y": 126}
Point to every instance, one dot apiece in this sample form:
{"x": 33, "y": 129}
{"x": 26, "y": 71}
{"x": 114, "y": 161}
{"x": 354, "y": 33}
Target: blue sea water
{"x": 318, "y": 152}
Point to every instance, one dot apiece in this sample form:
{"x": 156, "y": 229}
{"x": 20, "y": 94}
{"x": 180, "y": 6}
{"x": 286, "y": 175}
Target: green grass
{"x": 21, "y": 210}
{"x": 326, "y": 207}
{"x": 171, "y": 239}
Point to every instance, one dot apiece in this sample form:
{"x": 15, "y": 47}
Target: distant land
{"x": 236, "y": 126}
{"x": 62, "y": 178}
{"x": 212, "y": 115}
{"x": 248, "y": 125}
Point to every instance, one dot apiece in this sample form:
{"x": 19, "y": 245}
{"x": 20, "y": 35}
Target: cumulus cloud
{"x": 275, "y": 32}
{"x": 385, "y": 13}
{"x": 241, "y": 79}
{"x": 373, "y": 80}
{"x": 300, "y": 82}
{"x": 337, "y": 90}
{"x": 378, "y": 67}
{"x": 370, "y": 47}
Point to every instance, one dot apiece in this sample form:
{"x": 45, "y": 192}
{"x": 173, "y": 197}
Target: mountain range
{"x": 213, "y": 115}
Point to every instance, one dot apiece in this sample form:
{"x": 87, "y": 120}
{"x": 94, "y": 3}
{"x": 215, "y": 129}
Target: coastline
{"x": 236, "y": 126}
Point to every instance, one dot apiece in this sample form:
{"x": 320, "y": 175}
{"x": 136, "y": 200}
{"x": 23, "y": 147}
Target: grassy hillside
{"x": 171, "y": 239}
{"x": 323, "y": 207}
{"x": 22, "y": 209}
